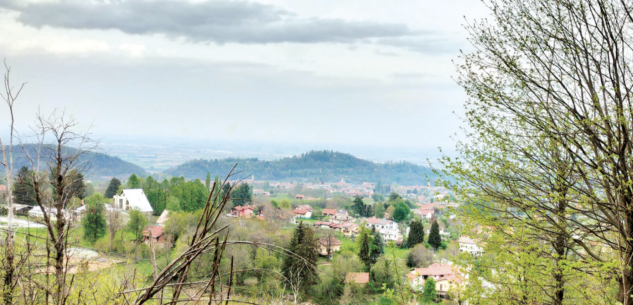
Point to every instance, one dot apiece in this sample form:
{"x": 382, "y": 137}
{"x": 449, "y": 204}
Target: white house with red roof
{"x": 388, "y": 229}
{"x": 302, "y": 213}
{"x": 329, "y": 212}
{"x": 445, "y": 276}
{"x": 466, "y": 244}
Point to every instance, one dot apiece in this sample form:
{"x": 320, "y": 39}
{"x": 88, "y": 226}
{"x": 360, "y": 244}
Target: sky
{"x": 316, "y": 73}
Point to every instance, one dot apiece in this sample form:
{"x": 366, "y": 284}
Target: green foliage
{"x": 365, "y": 241}
{"x": 242, "y": 195}
{"x": 137, "y": 224}
{"x": 23, "y": 191}
{"x": 359, "y": 207}
{"x": 430, "y": 293}
{"x": 173, "y": 204}
{"x": 94, "y": 223}
{"x": 207, "y": 181}
{"x": 133, "y": 183}
{"x": 300, "y": 269}
{"x": 400, "y": 214}
{"x": 435, "y": 240}
{"x": 416, "y": 233}
{"x": 377, "y": 247}
{"x": 379, "y": 210}
{"x": 314, "y": 165}
{"x": 113, "y": 187}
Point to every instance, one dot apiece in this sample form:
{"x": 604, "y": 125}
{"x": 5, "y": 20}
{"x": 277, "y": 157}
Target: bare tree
{"x": 115, "y": 223}
{"x": 61, "y": 157}
{"x": 9, "y": 96}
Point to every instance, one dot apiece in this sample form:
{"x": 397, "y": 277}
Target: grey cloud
{"x": 212, "y": 21}
{"x": 430, "y": 44}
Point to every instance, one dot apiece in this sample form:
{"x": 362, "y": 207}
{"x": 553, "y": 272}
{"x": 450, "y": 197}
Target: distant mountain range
{"x": 95, "y": 165}
{"x": 326, "y": 166}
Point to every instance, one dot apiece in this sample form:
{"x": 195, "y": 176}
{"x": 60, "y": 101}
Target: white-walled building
{"x": 388, "y": 229}
{"x": 133, "y": 199}
{"x": 468, "y": 245}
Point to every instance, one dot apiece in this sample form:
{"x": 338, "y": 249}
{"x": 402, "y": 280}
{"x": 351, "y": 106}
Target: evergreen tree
{"x": 242, "y": 195}
{"x": 365, "y": 248}
{"x": 23, "y": 191}
{"x": 207, "y": 181}
{"x": 358, "y": 206}
{"x": 94, "y": 222}
{"x": 434, "y": 236}
{"x": 112, "y": 187}
{"x": 411, "y": 263}
{"x": 416, "y": 234}
{"x": 430, "y": 294}
{"x": 300, "y": 269}
{"x": 377, "y": 247}
{"x": 132, "y": 182}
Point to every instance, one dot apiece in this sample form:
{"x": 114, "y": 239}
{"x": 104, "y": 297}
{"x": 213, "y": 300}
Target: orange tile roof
{"x": 357, "y": 277}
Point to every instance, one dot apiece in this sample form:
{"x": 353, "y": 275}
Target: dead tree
{"x": 9, "y": 97}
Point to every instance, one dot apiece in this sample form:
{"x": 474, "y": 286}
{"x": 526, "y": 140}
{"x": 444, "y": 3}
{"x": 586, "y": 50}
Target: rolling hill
{"x": 312, "y": 166}
{"x": 96, "y": 165}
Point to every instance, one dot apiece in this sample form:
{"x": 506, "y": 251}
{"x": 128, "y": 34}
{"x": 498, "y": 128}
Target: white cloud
{"x": 133, "y": 49}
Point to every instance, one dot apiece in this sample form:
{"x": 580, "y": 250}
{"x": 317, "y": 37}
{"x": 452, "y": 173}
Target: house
{"x": 157, "y": 234}
{"x": 443, "y": 274}
{"x": 468, "y": 245}
{"x": 305, "y": 207}
{"x": 261, "y": 192}
{"x": 36, "y": 212}
{"x": 242, "y": 211}
{"x": 426, "y": 213}
{"x": 164, "y": 217}
{"x": 329, "y": 212}
{"x": 131, "y": 199}
{"x": 360, "y": 278}
{"x": 300, "y": 197}
{"x": 328, "y": 243}
{"x": 301, "y": 213}
{"x": 341, "y": 217}
{"x": 387, "y": 228}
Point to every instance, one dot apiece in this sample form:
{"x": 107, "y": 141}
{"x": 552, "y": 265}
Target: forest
{"x": 326, "y": 166}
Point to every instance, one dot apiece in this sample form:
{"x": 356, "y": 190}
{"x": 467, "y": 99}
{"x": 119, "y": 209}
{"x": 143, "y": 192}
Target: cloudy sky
{"x": 368, "y": 73}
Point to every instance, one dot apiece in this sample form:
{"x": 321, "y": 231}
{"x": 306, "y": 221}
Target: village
{"x": 334, "y": 217}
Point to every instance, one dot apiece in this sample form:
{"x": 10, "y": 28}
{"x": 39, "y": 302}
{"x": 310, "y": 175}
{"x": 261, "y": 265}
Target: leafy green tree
{"x": 133, "y": 182}
{"x": 379, "y": 210}
{"x": 284, "y": 204}
{"x": 393, "y": 197}
{"x": 430, "y": 293}
{"x": 90, "y": 189}
{"x": 399, "y": 214}
{"x": 113, "y": 187}
{"x": 435, "y": 240}
{"x": 300, "y": 269}
{"x": 94, "y": 223}
{"x": 364, "y": 241}
{"x": 416, "y": 234}
{"x": 173, "y": 204}
{"x": 137, "y": 223}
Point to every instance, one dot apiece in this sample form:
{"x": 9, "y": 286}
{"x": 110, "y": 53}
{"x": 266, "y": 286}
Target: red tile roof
{"x": 357, "y": 277}
{"x": 329, "y": 212}
{"x": 300, "y": 211}
{"x": 156, "y": 231}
